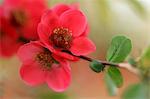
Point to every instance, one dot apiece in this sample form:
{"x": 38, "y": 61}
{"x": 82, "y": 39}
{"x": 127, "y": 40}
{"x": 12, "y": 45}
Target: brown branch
{"x": 127, "y": 66}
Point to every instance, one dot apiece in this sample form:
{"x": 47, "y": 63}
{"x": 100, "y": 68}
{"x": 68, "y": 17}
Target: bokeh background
{"x": 107, "y": 18}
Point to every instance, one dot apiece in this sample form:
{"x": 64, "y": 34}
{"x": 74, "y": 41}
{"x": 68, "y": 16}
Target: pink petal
{"x": 9, "y": 37}
{"x": 50, "y": 19}
{"x": 82, "y": 46}
{"x": 59, "y": 77}
{"x": 32, "y": 74}
{"x": 62, "y": 61}
{"x": 45, "y": 28}
{"x": 47, "y": 44}
{"x": 86, "y": 32}
{"x": 33, "y": 14}
{"x": 27, "y": 52}
{"x": 74, "y": 20}
{"x": 5, "y": 49}
{"x": 60, "y": 8}
{"x": 44, "y": 32}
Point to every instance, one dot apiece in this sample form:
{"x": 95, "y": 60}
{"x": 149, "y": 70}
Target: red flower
{"x": 64, "y": 28}
{"x": 9, "y": 43}
{"x": 40, "y": 65}
{"x": 24, "y": 15}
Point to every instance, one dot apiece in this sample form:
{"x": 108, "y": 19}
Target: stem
{"x": 127, "y": 66}
{"x": 106, "y": 63}
{"x": 103, "y": 62}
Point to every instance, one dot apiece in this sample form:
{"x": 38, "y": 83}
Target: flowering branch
{"x": 62, "y": 35}
{"x": 127, "y": 66}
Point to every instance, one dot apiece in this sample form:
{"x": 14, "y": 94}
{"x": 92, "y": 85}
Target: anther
{"x": 61, "y": 38}
{"x": 45, "y": 60}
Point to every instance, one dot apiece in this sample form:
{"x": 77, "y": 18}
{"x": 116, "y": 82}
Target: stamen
{"x": 61, "y": 38}
{"x": 45, "y": 60}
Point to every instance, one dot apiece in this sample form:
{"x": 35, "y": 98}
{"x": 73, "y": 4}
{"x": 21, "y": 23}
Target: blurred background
{"x": 106, "y": 19}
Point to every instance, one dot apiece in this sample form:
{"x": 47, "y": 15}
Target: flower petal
{"x": 50, "y": 19}
{"x": 82, "y": 48}
{"x": 8, "y": 37}
{"x": 59, "y": 77}
{"x": 60, "y": 8}
{"x": 27, "y": 52}
{"x": 86, "y": 32}
{"x": 74, "y": 20}
{"x": 62, "y": 61}
{"x": 44, "y": 32}
{"x": 32, "y": 74}
{"x": 48, "y": 23}
{"x": 33, "y": 15}
{"x": 66, "y": 55}
{"x": 5, "y": 49}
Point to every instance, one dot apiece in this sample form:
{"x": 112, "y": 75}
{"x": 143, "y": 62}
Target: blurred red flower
{"x": 65, "y": 28}
{"x": 18, "y": 23}
{"x": 24, "y": 16}
{"x": 40, "y": 65}
{"x": 9, "y": 43}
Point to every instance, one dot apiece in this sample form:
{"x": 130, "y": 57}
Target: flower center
{"x": 61, "y": 38}
{"x": 18, "y": 18}
{"x": 45, "y": 59}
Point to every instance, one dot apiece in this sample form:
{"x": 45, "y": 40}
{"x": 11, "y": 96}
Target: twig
{"x": 129, "y": 67}
{"x": 106, "y": 63}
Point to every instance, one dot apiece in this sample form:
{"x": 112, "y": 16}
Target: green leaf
{"x": 145, "y": 59}
{"x": 97, "y": 66}
{"x": 112, "y": 89}
{"x": 115, "y": 75}
{"x": 113, "y": 79}
{"x": 137, "y": 91}
{"x": 119, "y": 49}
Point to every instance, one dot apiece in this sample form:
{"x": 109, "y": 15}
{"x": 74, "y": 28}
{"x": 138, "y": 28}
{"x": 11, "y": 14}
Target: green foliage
{"x": 52, "y": 95}
{"x": 97, "y": 66}
{"x": 141, "y": 90}
{"x": 119, "y": 49}
{"x": 136, "y": 91}
{"x": 113, "y": 79}
{"x": 115, "y": 75}
{"x": 145, "y": 59}
{"x": 112, "y": 89}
